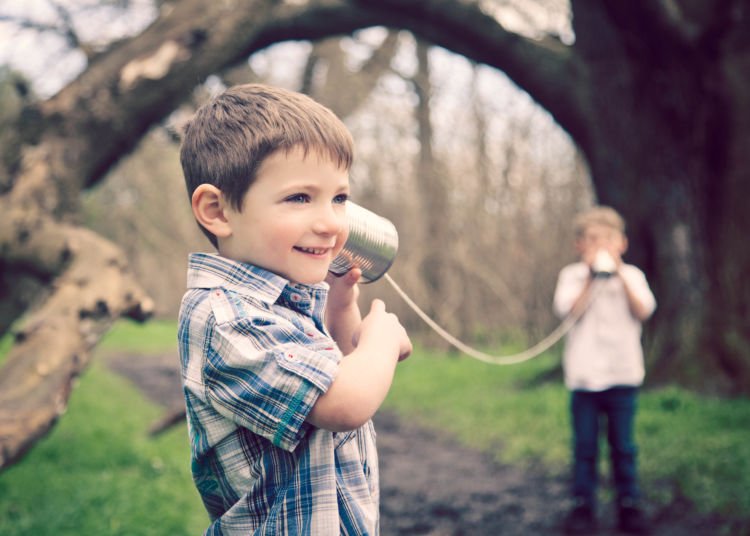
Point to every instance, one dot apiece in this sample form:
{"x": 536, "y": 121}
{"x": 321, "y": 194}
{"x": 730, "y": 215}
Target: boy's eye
{"x": 341, "y": 198}
{"x": 298, "y": 198}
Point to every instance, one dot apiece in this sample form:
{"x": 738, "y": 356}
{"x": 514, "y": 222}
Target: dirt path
{"x": 430, "y": 485}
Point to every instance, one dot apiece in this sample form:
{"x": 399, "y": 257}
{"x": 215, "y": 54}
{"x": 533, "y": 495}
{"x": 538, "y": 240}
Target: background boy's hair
{"x": 230, "y": 136}
{"x": 598, "y": 215}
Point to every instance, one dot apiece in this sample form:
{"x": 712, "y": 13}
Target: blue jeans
{"x": 618, "y": 404}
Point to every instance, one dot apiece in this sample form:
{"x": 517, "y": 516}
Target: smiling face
{"x": 293, "y": 219}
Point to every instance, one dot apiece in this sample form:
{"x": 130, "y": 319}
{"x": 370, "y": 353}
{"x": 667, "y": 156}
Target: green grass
{"x": 99, "y": 473}
{"x": 486, "y": 406}
{"x": 153, "y": 337}
{"x": 689, "y": 445}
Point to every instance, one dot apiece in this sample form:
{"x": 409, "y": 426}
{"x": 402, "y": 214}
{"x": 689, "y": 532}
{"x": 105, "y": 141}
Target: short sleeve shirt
{"x": 603, "y": 349}
{"x": 255, "y": 357}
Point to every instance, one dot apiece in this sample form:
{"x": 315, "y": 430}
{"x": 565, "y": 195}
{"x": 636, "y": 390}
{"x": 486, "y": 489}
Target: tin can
{"x": 604, "y": 265}
{"x": 372, "y": 244}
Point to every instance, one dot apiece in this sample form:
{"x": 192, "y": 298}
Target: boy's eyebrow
{"x": 311, "y": 186}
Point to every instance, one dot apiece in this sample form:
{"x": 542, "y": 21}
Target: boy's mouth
{"x": 313, "y": 251}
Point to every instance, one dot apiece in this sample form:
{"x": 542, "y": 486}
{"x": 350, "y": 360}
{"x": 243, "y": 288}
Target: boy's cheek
{"x": 586, "y": 249}
{"x": 340, "y": 242}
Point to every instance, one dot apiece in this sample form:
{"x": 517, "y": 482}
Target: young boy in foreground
{"x": 281, "y": 373}
{"x": 603, "y": 363}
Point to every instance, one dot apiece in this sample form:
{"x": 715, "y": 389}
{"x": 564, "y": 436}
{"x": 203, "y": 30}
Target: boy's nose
{"x": 329, "y": 221}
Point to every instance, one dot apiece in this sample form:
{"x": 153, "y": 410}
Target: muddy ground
{"x": 430, "y": 485}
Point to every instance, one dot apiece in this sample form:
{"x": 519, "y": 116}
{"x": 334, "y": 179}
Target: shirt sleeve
{"x": 638, "y": 285}
{"x": 264, "y": 373}
{"x": 570, "y": 283}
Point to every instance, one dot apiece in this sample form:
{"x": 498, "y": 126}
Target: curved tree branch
{"x": 558, "y": 79}
{"x": 80, "y": 132}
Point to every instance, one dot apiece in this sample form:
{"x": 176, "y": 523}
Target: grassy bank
{"x": 99, "y": 473}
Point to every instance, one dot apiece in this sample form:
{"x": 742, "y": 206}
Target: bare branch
{"x": 558, "y": 79}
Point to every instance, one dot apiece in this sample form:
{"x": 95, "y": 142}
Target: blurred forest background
{"x": 444, "y": 147}
{"x": 481, "y": 128}
{"x": 508, "y": 178}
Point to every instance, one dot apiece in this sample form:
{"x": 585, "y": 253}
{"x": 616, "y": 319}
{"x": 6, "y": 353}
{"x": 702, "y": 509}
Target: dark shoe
{"x": 631, "y": 519}
{"x": 580, "y": 520}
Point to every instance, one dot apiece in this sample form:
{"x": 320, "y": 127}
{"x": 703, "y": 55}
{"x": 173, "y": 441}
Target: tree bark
{"x": 663, "y": 156}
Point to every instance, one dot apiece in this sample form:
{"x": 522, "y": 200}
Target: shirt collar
{"x": 209, "y": 270}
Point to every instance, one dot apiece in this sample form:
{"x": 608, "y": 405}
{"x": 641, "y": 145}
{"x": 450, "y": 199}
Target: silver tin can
{"x": 372, "y": 244}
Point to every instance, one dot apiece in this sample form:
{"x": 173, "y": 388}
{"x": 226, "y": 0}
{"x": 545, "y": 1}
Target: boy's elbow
{"x": 561, "y": 310}
{"x": 344, "y": 423}
{"x": 645, "y": 311}
{"x": 339, "y": 416}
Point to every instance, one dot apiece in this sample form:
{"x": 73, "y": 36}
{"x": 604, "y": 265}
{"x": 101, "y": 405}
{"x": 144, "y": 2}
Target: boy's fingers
{"x": 331, "y": 277}
{"x": 377, "y": 305}
{"x": 353, "y": 275}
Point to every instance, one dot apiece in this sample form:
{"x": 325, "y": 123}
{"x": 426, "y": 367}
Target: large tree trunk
{"x": 668, "y": 155}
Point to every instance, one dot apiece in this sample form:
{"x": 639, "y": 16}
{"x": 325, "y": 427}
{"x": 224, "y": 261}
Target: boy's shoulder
{"x": 632, "y": 271}
{"x": 223, "y": 305}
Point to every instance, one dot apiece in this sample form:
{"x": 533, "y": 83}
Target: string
{"x": 511, "y": 359}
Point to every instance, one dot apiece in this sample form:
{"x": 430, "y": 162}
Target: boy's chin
{"x": 308, "y": 279}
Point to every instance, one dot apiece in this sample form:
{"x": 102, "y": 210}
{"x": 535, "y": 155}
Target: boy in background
{"x": 281, "y": 374}
{"x": 603, "y": 363}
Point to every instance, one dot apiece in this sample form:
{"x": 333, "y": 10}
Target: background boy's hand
{"x": 588, "y": 255}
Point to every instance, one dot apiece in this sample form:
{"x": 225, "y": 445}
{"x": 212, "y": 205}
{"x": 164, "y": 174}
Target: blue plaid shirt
{"x": 255, "y": 357}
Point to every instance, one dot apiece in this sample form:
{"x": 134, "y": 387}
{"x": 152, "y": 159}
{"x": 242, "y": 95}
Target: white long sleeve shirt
{"x": 603, "y": 349}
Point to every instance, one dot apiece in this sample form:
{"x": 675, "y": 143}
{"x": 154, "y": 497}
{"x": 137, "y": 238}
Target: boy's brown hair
{"x": 230, "y": 136}
{"x": 598, "y": 215}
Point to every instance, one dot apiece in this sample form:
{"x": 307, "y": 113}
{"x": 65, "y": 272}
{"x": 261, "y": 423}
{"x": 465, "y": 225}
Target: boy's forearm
{"x": 637, "y": 308}
{"x": 342, "y": 327}
{"x": 582, "y": 301}
{"x": 361, "y": 385}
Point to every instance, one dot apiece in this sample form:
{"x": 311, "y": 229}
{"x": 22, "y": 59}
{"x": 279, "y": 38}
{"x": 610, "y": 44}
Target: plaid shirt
{"x": 255, "y": 357}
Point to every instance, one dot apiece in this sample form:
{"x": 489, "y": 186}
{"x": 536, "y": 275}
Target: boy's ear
{"x": 624, "y": 245}
{"x": 208, "y": 208}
